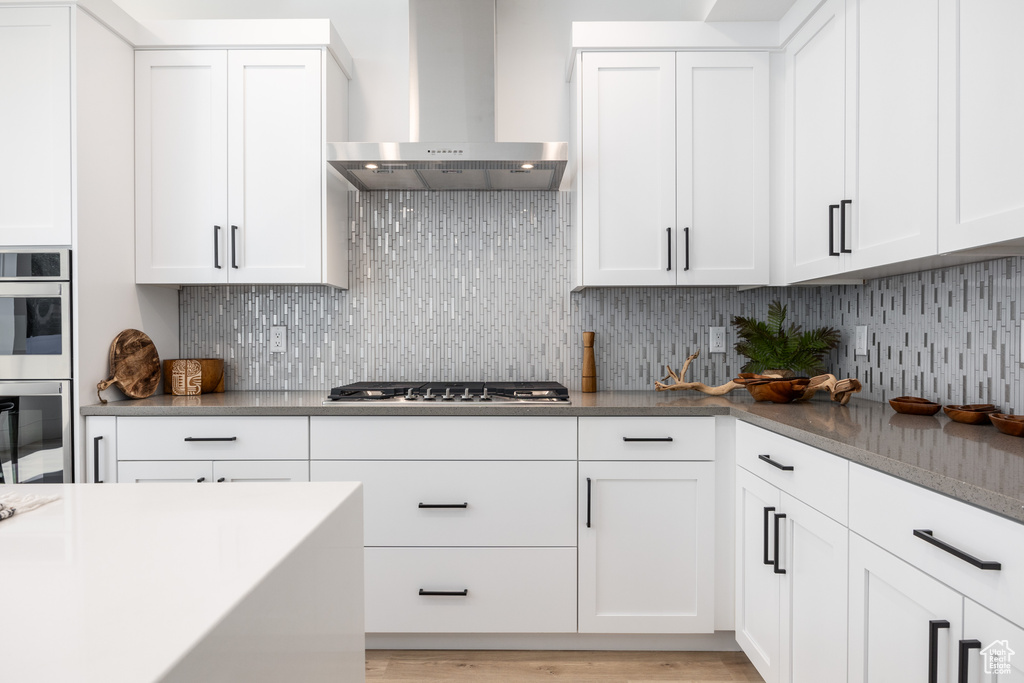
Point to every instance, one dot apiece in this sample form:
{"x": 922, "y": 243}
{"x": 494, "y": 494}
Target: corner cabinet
{"x": 231, "y": 182}
{"x": 35, "y": 126}
{"x": 673, "y": 169}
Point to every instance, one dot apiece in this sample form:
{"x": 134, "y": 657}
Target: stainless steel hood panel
{"x": 450, "y": 166}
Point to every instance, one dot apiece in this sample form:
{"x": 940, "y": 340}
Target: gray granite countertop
{"x": 975, "y": 464}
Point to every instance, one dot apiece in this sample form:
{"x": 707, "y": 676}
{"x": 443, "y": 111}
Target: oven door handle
{"x": 32, "y": 388}
{"x": 19, "y": 289}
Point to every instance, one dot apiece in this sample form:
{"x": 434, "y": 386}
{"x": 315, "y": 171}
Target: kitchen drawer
{"x": 261, "y": 470}
{"x": 212, "y": 438}
{"x": 508, "y": 590}
{"x": 143, "y": 472}
{"x": 508, "y": 503}
{"x": 443, "y": 438}
{"x": 817, "y": 478}
{"x": 647, "y": 438}
{"x": 887, "y": 510}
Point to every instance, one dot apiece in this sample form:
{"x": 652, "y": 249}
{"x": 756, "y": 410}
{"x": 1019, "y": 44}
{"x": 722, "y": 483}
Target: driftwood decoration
{"x": 839, "y": 389}
{"x": 679, "y": 384}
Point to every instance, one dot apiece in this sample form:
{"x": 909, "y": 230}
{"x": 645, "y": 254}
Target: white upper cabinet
{"x": 35, "y": 126}
{"x": 982, "y": 139}
{"x": 628, "y": 169}
{"x": 673, "y": 177}
{"x": 862, "y": 101}
{"x": 231, "y": 182}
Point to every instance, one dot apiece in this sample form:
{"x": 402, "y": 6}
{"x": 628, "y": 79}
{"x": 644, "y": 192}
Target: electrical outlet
{"x": 717, "y": 339}
{"x": 278, "y": 338}
{"x": 860, "y": 343}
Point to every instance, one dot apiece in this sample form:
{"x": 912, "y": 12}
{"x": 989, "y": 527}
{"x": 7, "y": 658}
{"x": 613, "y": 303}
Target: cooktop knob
{"x": 484, "y": 396}
{"x": 428, "y": 395}
{"x": 409, "y": 396}
{"x": 447, "y": 394}
{"x": 466, "y": 396}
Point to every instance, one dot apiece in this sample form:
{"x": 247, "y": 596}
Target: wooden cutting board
{"x": 134, "y": 365}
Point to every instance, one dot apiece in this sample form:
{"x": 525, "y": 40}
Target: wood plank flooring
{"x": 458, "y": 666}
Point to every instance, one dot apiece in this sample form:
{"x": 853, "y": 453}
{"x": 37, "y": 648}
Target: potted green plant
{"x": 775, "y": 349}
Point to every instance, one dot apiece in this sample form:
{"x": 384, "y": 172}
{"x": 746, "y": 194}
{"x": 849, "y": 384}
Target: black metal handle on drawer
{"x": 933, "y": 648}
{"x": 588, "y": 502}
{"x": 460, "y": 593}
{"x": 768, "y": 459}
{"x": 443, "y": 505}
{"x": 842, "y": 226}
{"x": 630, "y": 439}
{"x": 200, "y": 480}
{"x": 965, "y": 647}
{"x": 767, "y": 513}
{"x": 216, "y": 246}
{"x": 832, "y": 230}
{"x": 775, "y": 562}
{"x": 211, "y": 438}
{"x": 96, "y": 459}
{"x": 222, "y": 479}
{"x": 927, "y": 535}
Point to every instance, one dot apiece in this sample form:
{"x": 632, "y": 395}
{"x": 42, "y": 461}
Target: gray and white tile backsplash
{"x": 473, "y": 285}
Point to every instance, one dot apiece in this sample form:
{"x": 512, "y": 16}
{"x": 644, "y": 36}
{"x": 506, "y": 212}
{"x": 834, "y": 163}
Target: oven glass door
{"x": 35, "y": 432}
{"x": 35, "y": 330}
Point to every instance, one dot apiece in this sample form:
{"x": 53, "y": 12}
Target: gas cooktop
{"x": 451, "y": 393}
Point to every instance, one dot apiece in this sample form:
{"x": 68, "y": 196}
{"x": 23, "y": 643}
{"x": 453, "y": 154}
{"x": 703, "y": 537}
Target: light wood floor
{"x": 418, "y": 666}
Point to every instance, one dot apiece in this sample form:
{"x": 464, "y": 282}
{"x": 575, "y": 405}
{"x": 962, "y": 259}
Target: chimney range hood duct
{"x": 451, "y": 101}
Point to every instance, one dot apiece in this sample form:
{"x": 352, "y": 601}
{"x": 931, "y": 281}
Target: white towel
{"x": 21, "y": 502}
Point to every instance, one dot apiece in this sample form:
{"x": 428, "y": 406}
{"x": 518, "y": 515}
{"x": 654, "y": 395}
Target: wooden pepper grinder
{"x": 589, "y": 367}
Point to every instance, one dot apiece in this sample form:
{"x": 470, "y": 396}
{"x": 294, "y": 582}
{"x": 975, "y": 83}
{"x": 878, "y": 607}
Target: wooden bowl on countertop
{"x": 777, "y": 390}
{"x": 1008, "y": 424}
{"x": 974, "y": 414}
{"x": 912, "y": 405}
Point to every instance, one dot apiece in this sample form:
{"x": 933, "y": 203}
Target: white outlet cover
{"x": 717, "y": 339}
{"x": 278, "y": 339}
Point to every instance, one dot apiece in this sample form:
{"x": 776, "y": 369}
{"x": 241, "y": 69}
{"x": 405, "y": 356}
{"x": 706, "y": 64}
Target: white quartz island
{"x": 183, "y": 583}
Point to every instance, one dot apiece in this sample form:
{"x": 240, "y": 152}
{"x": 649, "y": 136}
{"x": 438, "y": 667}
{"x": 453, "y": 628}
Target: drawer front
{"x": 508, "y": 590}
{"x": 507, "y": 503}
{"x": 260, "y": 470}
{"x": 887, "y": 511}
{"x": 443, "y": 438}
{"x": 647, "y": 438}
{"x": 212, "y": 438}
{"x": 817, "y": 478}
{"x": 142, "y": 472}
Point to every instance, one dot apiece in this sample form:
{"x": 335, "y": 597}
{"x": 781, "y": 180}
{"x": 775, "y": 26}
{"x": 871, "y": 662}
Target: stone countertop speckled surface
{"x": 975, "y": 464}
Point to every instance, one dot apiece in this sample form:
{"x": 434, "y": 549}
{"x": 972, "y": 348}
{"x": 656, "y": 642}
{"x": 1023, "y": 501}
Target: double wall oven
{"x": 35, "y": 366}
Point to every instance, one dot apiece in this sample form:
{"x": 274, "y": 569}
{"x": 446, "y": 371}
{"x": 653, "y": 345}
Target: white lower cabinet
{"x": 988, "y": 651}
{"x": 142, "y": 471}
{"x": 791, "y": 583}
{"x": 147, "y": 472}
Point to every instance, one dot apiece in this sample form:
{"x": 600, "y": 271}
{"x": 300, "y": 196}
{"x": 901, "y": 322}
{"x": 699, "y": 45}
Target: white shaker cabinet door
{"x": 899, "y": 617}
{"x": 816, "y": 103}
{"x": 757, "y": 582}
{"x": 892, "y": 168}
{"x": 646, "y": 547}
{"x": 275, "y": 166}
{"x": 627, "y": 173}
{"x": 722, "y": 143}
{"x": 981, "y": 139}
{"x": 35, "y": 126}
{"x": 181, "y": 185}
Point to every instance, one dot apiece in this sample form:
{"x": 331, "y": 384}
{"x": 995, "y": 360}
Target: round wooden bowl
{"x": 912, "y": 405}
{"x": 974, "y": 414}
{"x": 1008, "y": 424}
{"x": 778, "y": 390}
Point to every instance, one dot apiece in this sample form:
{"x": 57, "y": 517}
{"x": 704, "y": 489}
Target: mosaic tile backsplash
{"x": 473, "y": 285}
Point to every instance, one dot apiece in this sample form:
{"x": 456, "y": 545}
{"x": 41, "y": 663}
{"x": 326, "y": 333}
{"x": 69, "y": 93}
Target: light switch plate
{"x": 717, "y": 339}
{"x": 860, "y": 345}
{"x": 278, "y": 339}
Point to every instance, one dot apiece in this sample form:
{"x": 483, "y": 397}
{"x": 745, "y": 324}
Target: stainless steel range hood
{"x": 451, "y": 132}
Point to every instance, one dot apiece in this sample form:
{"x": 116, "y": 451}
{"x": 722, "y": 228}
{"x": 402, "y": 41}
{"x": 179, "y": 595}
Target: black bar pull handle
{"x": 842, "y": 226}
{"x": 234, "y": 248}
{"x": 933, "y": 648}
{"x": 443, "y": 505}
{"x": 686, "y": 251}
{"x": 211, "y": 438}
{"x": 96, "y": 459}
{"x": 220, "y": 480}
{"x": 965, "y": 648}
{"x": 668, "y": 231}
{"x": 773, "y": 463}
{"x": 767, "y": 513}
{"x": 631, "y": 439}
{"x": 461, "y": 593}
{"x": 927, "y": 535}
{"x": 588, "y": 502}
{"x": 832, "y": 230}
{"x": 200, "y": 480}
{"x": 775, "y": 562}
{"x": 216, "y": 246}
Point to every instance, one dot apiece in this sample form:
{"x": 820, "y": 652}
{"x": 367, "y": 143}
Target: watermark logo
{"x": 997, "y": 658}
